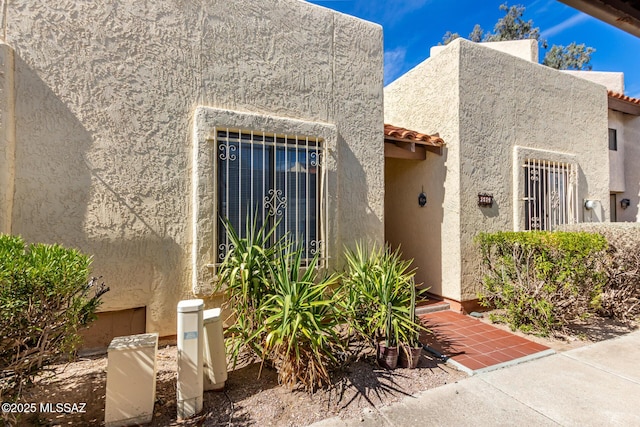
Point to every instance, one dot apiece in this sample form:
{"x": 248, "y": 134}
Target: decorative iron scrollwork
{"x": 275, "y": 202}
{"x": 314, "y": 246}
{"x": 224, "y": 249}
{"x": 226, "y": 152}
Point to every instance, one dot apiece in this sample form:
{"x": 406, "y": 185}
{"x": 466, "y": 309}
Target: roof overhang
{"x": 401, "y": 143}
{"x": 623, "y": 103}
{"x": 623, "y": 14}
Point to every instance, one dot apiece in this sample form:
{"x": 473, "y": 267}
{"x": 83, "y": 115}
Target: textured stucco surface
{"x": 499, "y": 102}
{"x": 7, "y": 137}
{"x": 106, "y": 96}
{"x": 426, "y": 99}
{"x": 626, "y": 162}
{"x": 610, "y": 79}
{"x": 523, "y": 49}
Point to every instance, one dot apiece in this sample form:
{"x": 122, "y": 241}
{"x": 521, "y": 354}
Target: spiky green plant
{"x": 300, "y": 334}
{"x": 376, "y": 279}
{"x": 245, "y": 279}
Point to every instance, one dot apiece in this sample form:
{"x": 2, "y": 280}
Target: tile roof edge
{"x": 623, "y": 97}
{"x": 400, "y": 133}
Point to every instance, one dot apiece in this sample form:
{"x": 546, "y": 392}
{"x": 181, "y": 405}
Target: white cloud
{"x": 566, "y": 24}
{"x": 633, "y": 90}
{"x": 394, "y": 63}
{"x": 396, "y": 10}
{"x": 540, "y": 6}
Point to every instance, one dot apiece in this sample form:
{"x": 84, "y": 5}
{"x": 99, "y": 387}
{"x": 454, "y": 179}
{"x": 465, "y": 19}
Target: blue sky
{"x": 411, "y": 27}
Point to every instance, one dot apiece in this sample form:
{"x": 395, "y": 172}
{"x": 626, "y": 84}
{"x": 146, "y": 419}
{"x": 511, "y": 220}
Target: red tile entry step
{"x": 474, "y": 346}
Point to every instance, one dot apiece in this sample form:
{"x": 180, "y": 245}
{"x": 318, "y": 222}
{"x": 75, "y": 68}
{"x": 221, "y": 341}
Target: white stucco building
{"x": 624, "y": 154}
{"x": 526, "y": 148}
{"x": 129, "y": 130}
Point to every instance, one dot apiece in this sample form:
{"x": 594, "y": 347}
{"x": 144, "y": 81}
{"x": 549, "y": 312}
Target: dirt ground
{"x": 247, "y": 400}
{"x": 359, "y": 387}
{"x": 576, "y": 335}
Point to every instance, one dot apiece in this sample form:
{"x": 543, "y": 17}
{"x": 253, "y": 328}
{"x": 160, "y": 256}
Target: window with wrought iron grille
{"x": 550, "y": 194}
{"x": 281, "y": 179}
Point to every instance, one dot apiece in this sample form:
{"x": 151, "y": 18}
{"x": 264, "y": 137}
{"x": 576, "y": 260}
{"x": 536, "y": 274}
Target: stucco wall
{"x": 106, "y": 96}
{"x": 524, "y": 49}
{"x": 7, "y": 137}
{"x": 629, "y": 141}
{"x": 617, "y": 162}
{"x": 610, "y": 79}
{"x": 426, "y": 100}
{"x": 499, "y": 108}
{"x": 508, "y": 102}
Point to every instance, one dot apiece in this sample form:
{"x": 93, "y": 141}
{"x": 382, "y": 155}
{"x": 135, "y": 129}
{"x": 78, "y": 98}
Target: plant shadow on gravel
{"x": 247, "y": 399}
{"x": 372, "y": 383}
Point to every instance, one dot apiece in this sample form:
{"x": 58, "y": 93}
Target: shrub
{"x": 376, "y": 295}
{"x": 45, "y": 299}
{"x": 281, "y": 311}
{"x": 621, "y": 295}
{"x": 542, "y": 280}
{"x": 245, "y": 277}
{"x": 300, "y": 336}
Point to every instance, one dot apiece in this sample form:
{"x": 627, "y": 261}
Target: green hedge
{"x": 44, "y": 300}
{"x": 542, "y": 280}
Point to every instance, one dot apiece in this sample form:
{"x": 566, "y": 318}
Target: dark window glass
{"x": 613, "y": 140}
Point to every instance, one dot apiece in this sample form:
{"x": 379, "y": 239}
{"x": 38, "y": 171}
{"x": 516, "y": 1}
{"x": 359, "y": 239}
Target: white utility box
{"x": 190, "y": 348}
{"x": 131, "y": 380}
{"x": 215, "y": 358}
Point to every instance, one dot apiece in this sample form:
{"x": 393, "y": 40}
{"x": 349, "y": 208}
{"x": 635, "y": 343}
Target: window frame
{"x": 521, "y": 155}
{"x": 274, "y": 199}
{"x": 613, "y": 139}
{"x": 203, "y": 222}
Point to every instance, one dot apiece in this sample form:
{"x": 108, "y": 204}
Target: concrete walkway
{"x": 596, "y": 385}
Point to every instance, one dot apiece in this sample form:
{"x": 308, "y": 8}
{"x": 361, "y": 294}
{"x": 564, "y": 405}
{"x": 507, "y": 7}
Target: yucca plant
{"x": 299, "y": 329}
{"x": 376, "y": 295}
{"x": 355, "y": 303}
{"x": 245, "y": 280}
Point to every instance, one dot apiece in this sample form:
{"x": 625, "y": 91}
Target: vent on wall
{"x": 111, "y": 324}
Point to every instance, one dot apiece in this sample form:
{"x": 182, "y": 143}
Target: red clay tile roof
{"x": 399, "y": 133}
{"x": 623, "y": 97}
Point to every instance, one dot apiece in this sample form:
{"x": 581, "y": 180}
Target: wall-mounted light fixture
{"x": 485, "y": 200}
{"x": 625, "y": 203}
{"x": 422, "y": 199}
{"x": 589, "y": 204}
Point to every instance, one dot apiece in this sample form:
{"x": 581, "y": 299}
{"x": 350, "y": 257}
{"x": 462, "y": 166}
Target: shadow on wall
{"x": 51, "y": 181}
{"x": 358, "y": 221}
{"x": 418, "y": 231}
{"x": 54, "y": 187}
{"x": 595, "y": 214}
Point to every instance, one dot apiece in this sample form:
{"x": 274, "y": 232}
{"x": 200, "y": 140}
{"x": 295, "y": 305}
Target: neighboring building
{"x": 624, "y": 145}
{"x": 526, "y": 148}
{"x": 127, "y": 131}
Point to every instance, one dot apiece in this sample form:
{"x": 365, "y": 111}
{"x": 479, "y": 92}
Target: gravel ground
{"x": 246, "y": 400}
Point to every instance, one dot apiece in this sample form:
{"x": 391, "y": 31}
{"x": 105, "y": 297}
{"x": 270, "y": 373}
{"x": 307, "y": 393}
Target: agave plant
{"x": 299, "y": 329}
